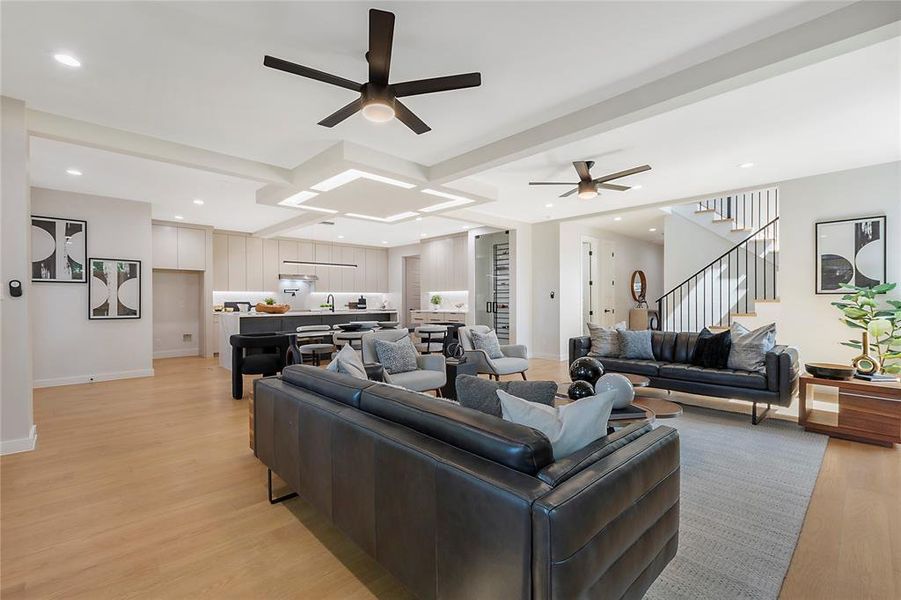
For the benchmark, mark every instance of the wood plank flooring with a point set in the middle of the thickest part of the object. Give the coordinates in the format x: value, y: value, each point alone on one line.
x: 146, y: 488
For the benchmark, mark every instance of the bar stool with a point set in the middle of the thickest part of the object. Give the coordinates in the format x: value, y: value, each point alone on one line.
x: 317, y: 334
x: 430, y: 334
x: 256, y: 354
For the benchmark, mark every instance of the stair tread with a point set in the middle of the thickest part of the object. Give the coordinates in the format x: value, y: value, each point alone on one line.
x: 769, y: 300
x: 748, y: 314
x: 704, y: 210
x: 723, y: 220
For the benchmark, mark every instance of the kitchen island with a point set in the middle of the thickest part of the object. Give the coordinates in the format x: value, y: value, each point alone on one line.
x: 231, y: 323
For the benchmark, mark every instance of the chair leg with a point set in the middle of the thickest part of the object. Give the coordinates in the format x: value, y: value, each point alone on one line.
x: 524, y: 376
x: 438, y: 393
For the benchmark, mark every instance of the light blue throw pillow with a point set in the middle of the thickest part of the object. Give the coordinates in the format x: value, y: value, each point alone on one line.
x: 636, y: 344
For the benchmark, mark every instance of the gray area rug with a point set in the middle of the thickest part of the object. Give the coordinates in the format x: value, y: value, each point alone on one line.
x: 745, y: 491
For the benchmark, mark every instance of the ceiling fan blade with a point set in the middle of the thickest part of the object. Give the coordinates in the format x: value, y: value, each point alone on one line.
x: 569, y: 193
x: 625, y: 173
x: 437, y: 84
x: 406, y: 116
x: 342, y: 113
x: 551, y: 183
x: 381, y: 38
x: 294, y: 68
x: 613, y: 186
x: 582, y: 169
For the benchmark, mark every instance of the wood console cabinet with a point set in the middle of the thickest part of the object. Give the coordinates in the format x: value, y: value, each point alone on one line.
x: 867, y: 412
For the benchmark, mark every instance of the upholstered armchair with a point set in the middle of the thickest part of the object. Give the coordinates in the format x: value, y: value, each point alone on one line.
x: 514, y: 360
x: 430, y: 374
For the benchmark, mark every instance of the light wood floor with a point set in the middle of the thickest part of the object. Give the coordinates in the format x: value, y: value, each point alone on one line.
x: 146, y: 488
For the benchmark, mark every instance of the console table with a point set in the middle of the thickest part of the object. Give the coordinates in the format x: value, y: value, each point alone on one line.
x: 867, y: 412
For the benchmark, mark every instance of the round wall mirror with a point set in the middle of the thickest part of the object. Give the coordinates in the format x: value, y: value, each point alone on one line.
x: 639, y: 286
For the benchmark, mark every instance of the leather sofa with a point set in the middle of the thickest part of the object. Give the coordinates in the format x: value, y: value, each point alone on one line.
x: 458, y: 504
x: 671, y: 370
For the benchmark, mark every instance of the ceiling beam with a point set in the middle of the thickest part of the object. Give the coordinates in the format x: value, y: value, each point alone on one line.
x: 73, y: 131
x: 302, y: 220
x: 844, y: 30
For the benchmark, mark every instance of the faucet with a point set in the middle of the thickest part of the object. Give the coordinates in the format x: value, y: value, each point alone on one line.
x: 332, y: 303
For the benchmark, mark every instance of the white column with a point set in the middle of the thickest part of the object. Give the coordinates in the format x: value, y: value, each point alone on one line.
x: 17, y: 431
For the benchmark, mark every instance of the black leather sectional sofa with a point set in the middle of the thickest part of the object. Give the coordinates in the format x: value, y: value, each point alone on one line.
x: 671, y: 370
x: 458, y: 504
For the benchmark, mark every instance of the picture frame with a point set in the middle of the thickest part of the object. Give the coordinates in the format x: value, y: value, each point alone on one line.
x: 849, y: 252
x: 59, y: 247
x: 114, y: 292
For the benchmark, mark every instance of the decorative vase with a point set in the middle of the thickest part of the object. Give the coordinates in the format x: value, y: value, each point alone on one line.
x: 865, y: 363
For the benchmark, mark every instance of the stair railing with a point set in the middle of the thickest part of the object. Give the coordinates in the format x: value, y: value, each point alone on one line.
x: 748, y: 211
x: 727, y: 286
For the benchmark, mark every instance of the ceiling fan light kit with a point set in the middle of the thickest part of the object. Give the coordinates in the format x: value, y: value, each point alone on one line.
x: 587, y: 190
x: 586, y: 187
x: 378, y: 99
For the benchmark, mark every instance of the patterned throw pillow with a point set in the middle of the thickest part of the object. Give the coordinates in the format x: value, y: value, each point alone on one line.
x: 487, y: 342
x: 396, y: 357
x: 749, y: 348
x: 605, y: 340
x: 636, y: 344
x: 347, y: 361
x: 712, y: 350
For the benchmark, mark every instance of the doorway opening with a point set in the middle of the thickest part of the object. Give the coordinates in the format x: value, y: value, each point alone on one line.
x: 177, y: 306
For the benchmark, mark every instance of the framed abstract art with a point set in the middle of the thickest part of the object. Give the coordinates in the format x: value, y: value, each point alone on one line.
x: 850, y: 252
x: 115, y: 289
x: 58, y: 250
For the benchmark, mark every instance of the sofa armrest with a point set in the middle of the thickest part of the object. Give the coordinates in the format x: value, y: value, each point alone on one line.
x: 617, y: 519
x: 578, y: 347
x: 515, y: 351
x: 375, y: 371
x: 481, y: 360
x: 782, y: 372
x: 430, y: 362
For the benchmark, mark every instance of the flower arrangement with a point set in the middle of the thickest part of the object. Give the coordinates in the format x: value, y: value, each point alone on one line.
x: 435, y: 300
x: 269, y: 301
x: 861, y: 310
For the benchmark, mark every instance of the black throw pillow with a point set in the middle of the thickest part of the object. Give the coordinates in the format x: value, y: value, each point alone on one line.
x: 712, y: 350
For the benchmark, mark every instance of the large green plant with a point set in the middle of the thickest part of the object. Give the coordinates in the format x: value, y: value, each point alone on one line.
x: 861, y: 310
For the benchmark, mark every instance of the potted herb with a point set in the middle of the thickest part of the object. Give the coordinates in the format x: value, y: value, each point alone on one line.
x: 881, y: 325
x: 436, y: 301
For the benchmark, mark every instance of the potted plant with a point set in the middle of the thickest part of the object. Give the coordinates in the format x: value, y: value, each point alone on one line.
x: 881, y: 326
x: 436, y: 301
x: 268, y: 305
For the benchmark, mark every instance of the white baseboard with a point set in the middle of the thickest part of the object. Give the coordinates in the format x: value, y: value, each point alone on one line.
x: 555, y: 357
x: 77, y: 379
x: 25, y: 444
x: 176, y: 353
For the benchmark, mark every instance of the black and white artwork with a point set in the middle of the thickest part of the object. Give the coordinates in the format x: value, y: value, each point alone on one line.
x: 850, y: 252
x: 58, y: 250
x: 115, y: 290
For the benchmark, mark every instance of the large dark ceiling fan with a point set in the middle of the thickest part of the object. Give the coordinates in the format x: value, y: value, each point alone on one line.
x: 379, y: 99
x: 588, y: 187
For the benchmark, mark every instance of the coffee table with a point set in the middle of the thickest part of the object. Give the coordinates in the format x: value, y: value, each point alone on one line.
x: 653, y: 407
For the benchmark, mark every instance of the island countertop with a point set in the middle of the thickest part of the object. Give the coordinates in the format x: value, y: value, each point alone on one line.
x: 308, y: 313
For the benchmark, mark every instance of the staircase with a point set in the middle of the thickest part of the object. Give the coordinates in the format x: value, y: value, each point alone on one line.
x: 731, y: 285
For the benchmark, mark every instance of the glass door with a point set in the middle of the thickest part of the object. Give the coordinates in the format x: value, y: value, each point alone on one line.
x: 492, y: 282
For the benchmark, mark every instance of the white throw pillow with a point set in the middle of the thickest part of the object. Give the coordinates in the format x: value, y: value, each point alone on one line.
x: 349, y: 363
x: 570, y: 427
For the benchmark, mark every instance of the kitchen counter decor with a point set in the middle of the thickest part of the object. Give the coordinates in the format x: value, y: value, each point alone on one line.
x: 273, y: 309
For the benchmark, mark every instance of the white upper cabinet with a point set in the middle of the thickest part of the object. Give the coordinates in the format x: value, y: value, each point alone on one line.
x: 237, y: 263
x: 444, y: 264
x: 220, y: 262
x: 254, y: 275
x: 323, y: 253
x: 179, y: 248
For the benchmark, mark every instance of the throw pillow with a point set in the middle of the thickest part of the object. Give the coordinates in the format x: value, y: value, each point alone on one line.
x: 488, y: 342
x: 569, y: 428
x: 604, y: 340
x: 749, y: 348
x: 712, y: 350
x: 396, y: 357
x: 480, y: 394
x: 636, y: 344
x: 347, y: 361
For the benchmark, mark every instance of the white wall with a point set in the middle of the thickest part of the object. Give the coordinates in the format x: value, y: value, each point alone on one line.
x: 521, y: 286
x: 69, y: 348
x: 395, y: 295
x: 688, y: 248
x: 807, y: 320
x: 545, y: 281
x: 176, y: 312
x: 17, y: 431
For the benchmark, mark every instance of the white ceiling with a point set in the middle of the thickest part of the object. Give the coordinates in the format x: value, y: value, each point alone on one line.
x: 192, y: 72
x: 380, y: 234
x: 634, y: 223
x: 838, y: 114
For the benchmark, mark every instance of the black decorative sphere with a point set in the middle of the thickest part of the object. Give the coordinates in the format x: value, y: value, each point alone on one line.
x: 586, y: 369
x: 580, y: 389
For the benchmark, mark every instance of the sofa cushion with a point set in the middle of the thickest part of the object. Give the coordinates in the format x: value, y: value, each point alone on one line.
x: 516, y: 446
x: 727, y: 377
x: 419, y: 381
x: 712, y: 350
x: 634, y: 366
x: 480, y: 394
x: 636, y: 344
x: 336, y: 386
x: 510, y: 364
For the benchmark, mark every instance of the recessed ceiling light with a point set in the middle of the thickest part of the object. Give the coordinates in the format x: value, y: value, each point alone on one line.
x: 617, y: 218
x: 636, y: 187
x: 464, y: 227
x: 298, y: 198
x: 384, y: 242
x: 549, y: 205
x: 652, y: 229
x: 67, y: 59
x: 340, y: 237
x: 454, y: 200
x: 421, y: 235
x: 419, y: 218
x: 74, y: 172
x: 198, y: 202
x: 746, y: 165
x: 354, y: 174
x: 179, y: 217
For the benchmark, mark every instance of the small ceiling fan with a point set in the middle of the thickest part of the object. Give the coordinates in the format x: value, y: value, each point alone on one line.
x: 379, y: 99
x: 588, y: 187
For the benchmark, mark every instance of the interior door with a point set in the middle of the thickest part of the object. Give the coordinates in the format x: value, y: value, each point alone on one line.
x: 588, y: 284
x: 607, y: 278
x: 412, y: 295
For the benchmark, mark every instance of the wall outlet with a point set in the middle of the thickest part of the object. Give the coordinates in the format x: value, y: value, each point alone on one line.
x: 186, y: 337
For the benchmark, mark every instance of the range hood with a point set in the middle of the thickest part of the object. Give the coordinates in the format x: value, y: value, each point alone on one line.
x: 297, y: 277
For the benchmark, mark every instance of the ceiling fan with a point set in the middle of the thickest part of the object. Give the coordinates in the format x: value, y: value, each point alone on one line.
x: 588, y: 187
x: 379, y: 99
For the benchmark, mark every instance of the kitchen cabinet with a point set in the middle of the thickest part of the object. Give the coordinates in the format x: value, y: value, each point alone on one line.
x: 323, y: 253
x: 220, y: 262
x: 237, y: 263
x: 444, y: 264
x: 179, y: 248
x: 287, y: 251
x: 254, y: 265
x: 271, y: 265
x: 347, y: 275
x: 424, y: 317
